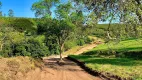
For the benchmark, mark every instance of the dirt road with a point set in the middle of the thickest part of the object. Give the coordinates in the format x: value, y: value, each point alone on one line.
x: 68, y: 71
x: 54, y: 71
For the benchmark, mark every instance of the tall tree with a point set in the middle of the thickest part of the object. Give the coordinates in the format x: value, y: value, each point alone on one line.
x: 0, y: 8
x: 61, y: 30
x: 11, y: 13
x: 63, y: 11
x: 0, y: 4
x: 114, y: 10
x: 1, y: 14
x: 42, y: 8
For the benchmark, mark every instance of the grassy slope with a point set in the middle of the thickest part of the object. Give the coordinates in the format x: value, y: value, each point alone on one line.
x: 125, y: 68
x: 123, y: 46
x: 122, y: 67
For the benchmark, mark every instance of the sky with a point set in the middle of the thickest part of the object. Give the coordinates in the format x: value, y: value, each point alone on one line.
x: 21, y: 8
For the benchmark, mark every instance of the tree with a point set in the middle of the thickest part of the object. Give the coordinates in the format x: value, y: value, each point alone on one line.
x: 0, y: 13
x: 0, y: 8
x: 57, y: 32
x: 115, y: 10
x: 23, y: 24
x: 0, y: 4
x: 11, y: 13
x: 42, y: 8
x: 61, y: 30
x: 63, y: 11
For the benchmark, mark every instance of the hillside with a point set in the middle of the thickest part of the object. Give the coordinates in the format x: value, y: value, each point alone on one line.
x: 118, y: 48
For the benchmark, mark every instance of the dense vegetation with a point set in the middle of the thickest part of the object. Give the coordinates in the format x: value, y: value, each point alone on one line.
x: 30, y: 37
x: 72, y: 25
x: 39, y: 37
x: 117, y: 31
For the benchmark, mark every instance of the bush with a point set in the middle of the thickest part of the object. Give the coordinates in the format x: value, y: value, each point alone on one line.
x: 88, y: 40
x: 80, y: 42
x: 69, y: 45
x: 7, y: 50
x: 31, y: 48
x: 36, y: 49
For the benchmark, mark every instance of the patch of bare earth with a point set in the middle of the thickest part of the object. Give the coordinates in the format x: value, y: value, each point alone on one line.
x: 84, y: 49
x: 68, y: 71
x: 81, y: 49
x: 53, y: 71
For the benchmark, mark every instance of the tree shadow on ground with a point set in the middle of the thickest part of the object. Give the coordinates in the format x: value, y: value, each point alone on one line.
x: 137, y: 49
x: 67, y: 66
x: 112, y: 61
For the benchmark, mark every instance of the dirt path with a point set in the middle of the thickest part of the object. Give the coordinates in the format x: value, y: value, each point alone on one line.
x: 54, y: 71
x: 80, y: 50
x: 68, y: 71
x: 86, y: 48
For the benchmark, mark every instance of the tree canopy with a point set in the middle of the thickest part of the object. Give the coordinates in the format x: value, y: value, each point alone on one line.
x: 11, y: 13
x: 42, y: 8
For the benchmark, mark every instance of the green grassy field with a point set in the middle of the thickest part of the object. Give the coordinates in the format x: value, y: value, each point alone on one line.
x: 122, y: 46
x: 122, y: 67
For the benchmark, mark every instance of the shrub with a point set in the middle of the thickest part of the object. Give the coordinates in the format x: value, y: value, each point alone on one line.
x: 7, y: 50
x: 36, y: 49
x: 88, y: 40
x: 31, y: 48
x: 70, y: 44
x: 80, y: 42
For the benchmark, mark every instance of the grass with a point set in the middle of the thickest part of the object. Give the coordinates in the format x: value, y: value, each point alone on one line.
x: 122, y: 46
x: 123, y: 67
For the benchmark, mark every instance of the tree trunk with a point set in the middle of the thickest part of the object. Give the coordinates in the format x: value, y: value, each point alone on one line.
x: 135, y: 30
x: 61, y: 51
x: 1, y: 48
x: 61, y: 56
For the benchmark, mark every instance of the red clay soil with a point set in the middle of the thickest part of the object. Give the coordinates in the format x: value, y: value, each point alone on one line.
x: 53, y: 71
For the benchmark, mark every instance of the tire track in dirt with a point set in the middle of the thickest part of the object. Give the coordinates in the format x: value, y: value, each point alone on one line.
x: 69, y: 71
